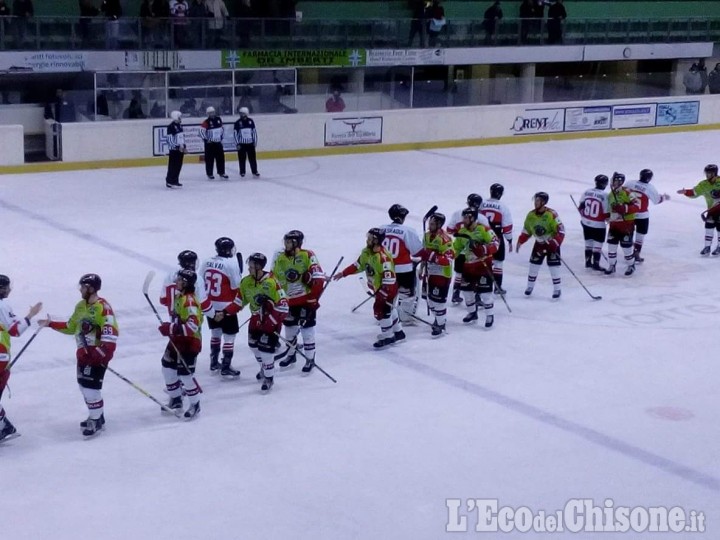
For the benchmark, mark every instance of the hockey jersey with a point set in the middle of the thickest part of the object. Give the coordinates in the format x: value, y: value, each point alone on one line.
x: 456, y: 221
x: 438, y: 253
x: 378, y: 266
x: 167, y: 294
x: 245, y: 132
x: 221, y: 277
x: 10, y: 326
x: 594, y: 208
x: 544, y: 227
x: 299, y: 275
x: 646, y: 193
x: 92, y: 325
x: 175, y: 137
x: 402, y: 242
x: 499, y: 218
x: 186, y: 313
x: 211, y: 130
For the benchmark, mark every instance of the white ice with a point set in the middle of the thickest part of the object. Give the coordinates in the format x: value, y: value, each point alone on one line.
x: 578, y: 398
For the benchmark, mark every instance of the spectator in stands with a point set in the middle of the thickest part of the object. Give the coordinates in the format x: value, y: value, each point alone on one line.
x: 179, y: 12
x: 492, y: 15
x: 22, y: 11
x: 335, y: 103
x: 245, y: 103
x: 714, y: 80
x: 556, y: 17
x: 61, y: 109
x: 157, y: 111
x: 101, y: 105
x: 189, y: 108
x: 113, y: 11
x: 526, y: 14
x: 226, y: 106
x: 218, y: 12
x: 436, y: 14
x: 87, y: 12
x: 694, y: 81
x: 418, y: 22
x: 134, y: 111
x: 197, y: 12
x: 245, y: 11
x: 161, y: 11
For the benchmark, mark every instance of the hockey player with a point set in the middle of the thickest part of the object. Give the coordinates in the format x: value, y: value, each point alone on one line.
x: 212, y: 134
x: 185, y: 339
x: 594, y: 212
x: 221, y: 275
x: 403, y: 243
x: 623, y: 206
x: 437, y: 256
x: 246, y: 140
x: 500, y: 219
x: 269, y: 307
x: 95, y: 329
x: 379, y: 269
x: 646, y: 193
x: 476, y: 244
x: 187, y: 260
x: 474, y: 200
x: 544, y: 225
x: 710, y: 189
x: 176, y: 150
x: 10, y: 326
x: 301, y: 277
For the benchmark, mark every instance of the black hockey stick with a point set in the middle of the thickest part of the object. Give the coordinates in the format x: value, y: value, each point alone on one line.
x: 27, y: 344
x: 370, y: 297
x: 287, y: 342
x: 329, y: 279
x: 239, y: 258
x: 591, y: 295
x: 496, y: 286
x: 146, y: 288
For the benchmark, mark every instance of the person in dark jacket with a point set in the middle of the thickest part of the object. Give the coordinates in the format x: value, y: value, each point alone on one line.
x: 555, y: 18
x: 714, y: 80
x: 418, y: 22
x: 61, y: 109
x: 176, y: 146
x: 22, y: 11
x: 492, y: 15
x: 526, y: 14
x: 246, y: 141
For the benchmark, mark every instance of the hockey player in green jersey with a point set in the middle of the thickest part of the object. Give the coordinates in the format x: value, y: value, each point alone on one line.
x: 301, y: 277
x: 710, y: 189
x: 268, y: 307
x: 544, y: 225
x: 96, y: 332
x: 437, y: 256
x: 623, y: 205
x: 476, y: 243
x: 378, y: 265
x: 185, y: 339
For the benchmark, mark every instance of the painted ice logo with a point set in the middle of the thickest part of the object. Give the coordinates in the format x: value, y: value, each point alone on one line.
x: 539, y: 121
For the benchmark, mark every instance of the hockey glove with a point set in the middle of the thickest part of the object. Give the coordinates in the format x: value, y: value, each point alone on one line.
x: 581, y: 206
x: 553, y: 245
x: 481, y: 250
x: 620, y: 208
x: 96, y: 356
x: 384, y: 294
x: 165, y: 329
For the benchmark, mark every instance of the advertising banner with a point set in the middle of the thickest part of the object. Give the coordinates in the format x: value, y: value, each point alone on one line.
x: 535, y: 121
x: 404, y: 57
x: 293, y: 58
x: 587, y: 118
x: 633, y: 116
x: 346, y: 131
x: 193, y: 141
x: 678, y: 113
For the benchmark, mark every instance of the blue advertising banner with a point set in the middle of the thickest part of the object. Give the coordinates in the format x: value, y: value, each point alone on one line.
x: 678, y: 114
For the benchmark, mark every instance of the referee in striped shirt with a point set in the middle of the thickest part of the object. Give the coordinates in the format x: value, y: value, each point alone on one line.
x: 246, y: 141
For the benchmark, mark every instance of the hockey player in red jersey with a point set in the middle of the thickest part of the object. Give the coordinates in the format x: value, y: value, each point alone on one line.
x: 594, y: 212
x: 646, y: 194
x: 500, y: 220
x: 403, y: 243
x: 187, y: 260
x: 221, y: 275
x: 623, y: 206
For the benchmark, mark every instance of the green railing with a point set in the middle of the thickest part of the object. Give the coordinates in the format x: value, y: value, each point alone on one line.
x: 73, y: 33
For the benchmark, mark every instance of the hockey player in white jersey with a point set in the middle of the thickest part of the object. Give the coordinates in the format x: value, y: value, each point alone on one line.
x: 594, y: 212
x: 187, y: 260
x: 500, y: 219
x: 474, y: 200
x: 221, y: 275
x: 403, y: 243
x: 10, y: 326
x: 646, y: 192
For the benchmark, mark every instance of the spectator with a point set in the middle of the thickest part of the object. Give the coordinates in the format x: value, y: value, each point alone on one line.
x: 197, y: 12
x: 22, y: 11
x: 112, y: 11
x: 436, y: 23
x: 189, y: 108
x: 526, y: 14
x: 714, y: 80
x: 87, y: 11
x: 555, y: 18
x: 694, y: 81
x: 335, y: 103
x: 245, y: 103
x: 157, y: 111
x: 226, y: 106
x: 135, y: 111
x: 245, y: 11
x: 418, y: 22
x: 147, y: 16
x: 219, y: 12
x: 492, y: 15
x: 61, y: 109
x: 101, y: 105
x: 161, y: 12
x: 179, y: 11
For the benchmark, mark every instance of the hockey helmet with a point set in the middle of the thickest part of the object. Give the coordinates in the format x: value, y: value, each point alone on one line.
x: 176, y: 116
x: 210, y: 111
x: 189, y: 277
x: 91, y: 280
x: 397, y: 213
x: 258, y: 260
x: 474, y: 200
x: 646, y: 175
x: 542, y: 196
x: 4, y: 281
x: 244, y: 111
x: 601, y: 181
x: 711, y: 169
x: 224, y: 247
x: 618, y: 179
x: 187, y: 259
x: 377, y: 234
x: 471, y: 212
x: 438, y: 218
x: 295, y: 236
x: 496, y: 191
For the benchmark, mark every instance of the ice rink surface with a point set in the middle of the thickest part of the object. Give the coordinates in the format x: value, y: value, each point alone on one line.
x: 611, y: 399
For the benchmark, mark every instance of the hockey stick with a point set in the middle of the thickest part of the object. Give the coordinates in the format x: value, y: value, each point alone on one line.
x: 496, y: 286
x: 370, y: 297
x: 579, y: 212
x: 329, y: 279
x: 146, y: 288
x: 239, y: 258
x: 578, y: 280
x: 287, y: 342
x: 27, y: 344
x: 424, y: 273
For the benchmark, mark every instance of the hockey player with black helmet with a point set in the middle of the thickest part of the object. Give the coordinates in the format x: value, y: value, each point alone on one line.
x: 221, y: 276
x: 646, y: 193
x: 476, y: 244
x: 474, y: 200
x: 544, y: 225
x: 403, y: 243
x: 594, y: 212
x: 11, y: 326
x: 377, y: 263
x: 623, y: 206
x: 501, y: 223
x: 184, y: 333
x: 262, y: 292
x: 187, y: 260
x: 95, y: 329
x: 710, y: 190
x: 437, y: 256
x: 300, y: 275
